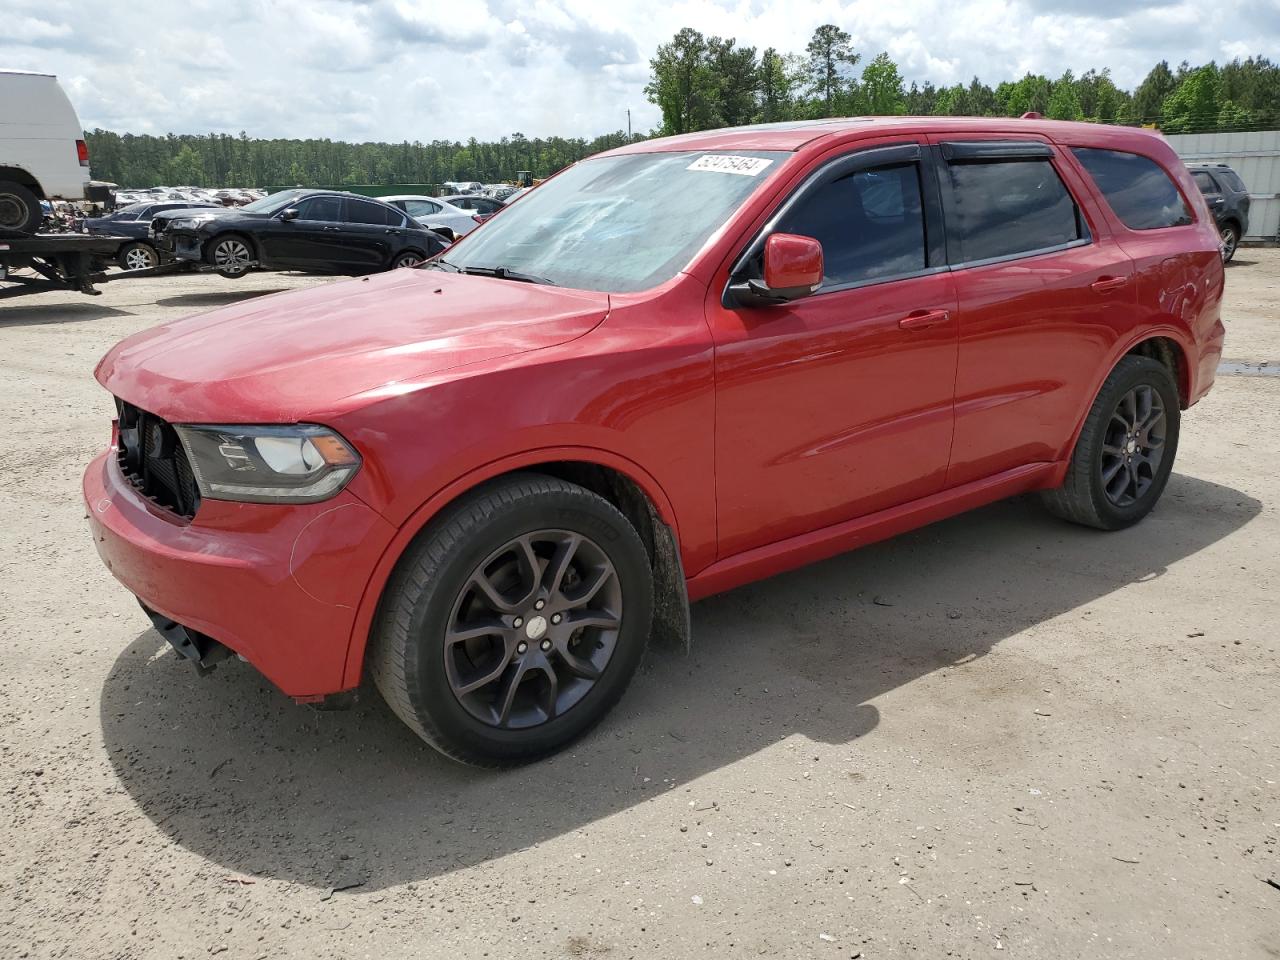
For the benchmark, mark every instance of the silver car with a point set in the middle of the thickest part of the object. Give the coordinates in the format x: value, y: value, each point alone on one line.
x: 434, y: 213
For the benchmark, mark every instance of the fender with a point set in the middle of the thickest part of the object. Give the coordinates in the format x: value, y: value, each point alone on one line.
x: 1178, y: 334
x: 359, y: 637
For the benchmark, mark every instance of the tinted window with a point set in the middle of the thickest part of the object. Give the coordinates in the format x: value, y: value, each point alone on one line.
x: 1001, y: 209
x: 870, y: 224
x: 1232, y: 180
x: 327, y: 209
x: 1204, y: 182
x: 1139, y: 191
x: 361, y: 211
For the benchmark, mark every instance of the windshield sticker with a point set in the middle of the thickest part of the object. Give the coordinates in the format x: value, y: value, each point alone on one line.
x: 719, y: 163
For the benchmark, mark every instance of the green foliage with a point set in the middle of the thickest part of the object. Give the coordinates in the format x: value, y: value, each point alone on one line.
x: 221, y: 160
x: 882, y: 87
x: 830, y: 58
x: 1064, y: 103
x: 1195, y: 105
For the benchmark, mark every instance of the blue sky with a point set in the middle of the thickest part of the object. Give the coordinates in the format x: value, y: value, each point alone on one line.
x: 421, y: 69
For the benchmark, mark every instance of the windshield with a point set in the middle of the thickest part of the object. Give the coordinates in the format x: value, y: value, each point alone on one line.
x: 616, y: 224
x: 273, y: 202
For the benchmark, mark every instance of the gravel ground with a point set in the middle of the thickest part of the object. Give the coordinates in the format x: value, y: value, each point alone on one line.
x: 997, y: 736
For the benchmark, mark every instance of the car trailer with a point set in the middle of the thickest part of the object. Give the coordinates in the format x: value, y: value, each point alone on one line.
x: 68, y: 261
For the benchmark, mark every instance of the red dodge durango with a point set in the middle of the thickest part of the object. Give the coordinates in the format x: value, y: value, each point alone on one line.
x: 671, y: 369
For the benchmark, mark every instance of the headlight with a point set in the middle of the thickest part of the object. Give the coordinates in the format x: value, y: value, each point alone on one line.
x: 295, y: 464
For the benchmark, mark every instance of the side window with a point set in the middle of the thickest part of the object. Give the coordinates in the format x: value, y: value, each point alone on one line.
x: 1232, y: 180
x: 361, y: 211
x: 1138, y: 190
x: 1204, y: 182
x: 870, y: 224
x: 421, y: 208
x: 1002, y: 208
x: 327, y: 209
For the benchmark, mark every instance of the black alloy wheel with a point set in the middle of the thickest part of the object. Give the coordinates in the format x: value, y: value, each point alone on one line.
x: 1133, y: 447
x: 533, y: 629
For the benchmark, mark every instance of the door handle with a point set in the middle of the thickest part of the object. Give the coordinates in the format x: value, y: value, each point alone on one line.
x: 923, y: 319
x: 1103, y: 284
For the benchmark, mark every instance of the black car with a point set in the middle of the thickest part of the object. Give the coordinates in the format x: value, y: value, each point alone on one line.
x: 485, y: 206
x: 1227, y: 197
x: 134, y: 222
x: 316, y: 231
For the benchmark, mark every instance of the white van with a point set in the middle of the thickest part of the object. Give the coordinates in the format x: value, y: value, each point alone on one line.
x: 43, y: 155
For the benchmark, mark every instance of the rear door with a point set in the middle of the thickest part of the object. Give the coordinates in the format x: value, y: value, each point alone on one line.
x: 1212, y: 192
x: 369, y: 233
x: 1044, y: 291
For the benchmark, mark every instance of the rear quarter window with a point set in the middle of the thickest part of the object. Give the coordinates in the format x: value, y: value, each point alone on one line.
x: 1137, y: 188
x: 1232, y: 180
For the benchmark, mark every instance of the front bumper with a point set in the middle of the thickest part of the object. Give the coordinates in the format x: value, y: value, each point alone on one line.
x: 179, y: 244
x: 277, y: 584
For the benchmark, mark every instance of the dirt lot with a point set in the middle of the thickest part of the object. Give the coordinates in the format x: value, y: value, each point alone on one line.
x: 998, y: 736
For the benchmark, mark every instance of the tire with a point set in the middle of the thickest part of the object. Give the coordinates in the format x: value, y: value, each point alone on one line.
x: 1230, y: 241
x: 230, y: 255
x: 1089, y: 495
x: 424, y: 678
x: 20, y: 213
x: 409, y: 258
x: 137, y: 256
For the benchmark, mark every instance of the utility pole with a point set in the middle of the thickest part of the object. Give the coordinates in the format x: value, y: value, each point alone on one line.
x: 628, y: 124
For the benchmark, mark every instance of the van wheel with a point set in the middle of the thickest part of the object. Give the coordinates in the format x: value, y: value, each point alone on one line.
x: 137, y: 256
x: 230, y: 255
x: 1124, y: 456
x: 20, y: 211
x: 514, y: 622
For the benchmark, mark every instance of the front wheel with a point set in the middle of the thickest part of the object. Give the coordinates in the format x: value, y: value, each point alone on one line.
x: 514, y: 622
x: 1124, y: 456
x: 230, y: 256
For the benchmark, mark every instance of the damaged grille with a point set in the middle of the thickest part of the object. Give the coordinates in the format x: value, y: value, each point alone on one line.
x: 152, y: 459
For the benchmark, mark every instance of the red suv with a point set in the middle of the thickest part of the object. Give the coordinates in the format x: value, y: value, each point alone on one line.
x: 674, y: 368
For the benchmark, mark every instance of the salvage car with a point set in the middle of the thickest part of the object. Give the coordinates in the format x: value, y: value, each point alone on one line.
x: 134, y: 222
x: 316, y: 231
x: 672, y: 369
x: 436, y: 214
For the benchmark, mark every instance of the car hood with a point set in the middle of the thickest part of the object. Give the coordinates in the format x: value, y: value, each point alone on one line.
x: 213, y: 213
x: 277, y: 359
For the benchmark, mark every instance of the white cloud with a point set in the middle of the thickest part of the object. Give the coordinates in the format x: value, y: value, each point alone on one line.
x: 453, y: 69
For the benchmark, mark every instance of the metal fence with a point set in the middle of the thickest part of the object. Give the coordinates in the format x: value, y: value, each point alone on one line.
x: 1256, y: 157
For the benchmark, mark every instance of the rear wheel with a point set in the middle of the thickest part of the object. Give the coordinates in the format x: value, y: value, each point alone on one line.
x: 20, y: 211
x: 515, y: 621
x: 138, y: 256
x: 410, y: 258
x: 1230, y: 240
x: 1124, y: 456
x: 230, y: 255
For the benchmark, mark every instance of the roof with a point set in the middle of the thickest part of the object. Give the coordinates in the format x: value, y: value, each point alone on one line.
x: 26, y: 73
x: 793, y: 135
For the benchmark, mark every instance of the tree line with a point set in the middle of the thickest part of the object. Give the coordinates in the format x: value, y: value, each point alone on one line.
x: 701, y: 82
x: 223, y: 160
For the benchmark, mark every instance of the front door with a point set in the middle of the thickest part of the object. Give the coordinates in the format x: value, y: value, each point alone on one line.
x: 839, y: 405
x: 311, y: 237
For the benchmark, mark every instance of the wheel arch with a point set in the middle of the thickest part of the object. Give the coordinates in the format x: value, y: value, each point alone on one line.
x: 1167, y: 345
x: 21, y: 176
x: 232, y: 232
x: 620, y: 481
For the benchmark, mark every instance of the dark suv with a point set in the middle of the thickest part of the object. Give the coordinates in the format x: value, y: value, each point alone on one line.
x: 1228, y: 199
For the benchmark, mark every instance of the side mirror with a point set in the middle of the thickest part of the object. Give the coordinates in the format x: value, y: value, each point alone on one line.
x: 793, y: 270
x: 290, y: 214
